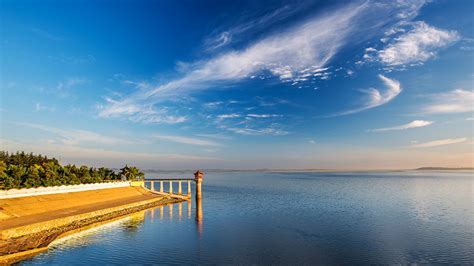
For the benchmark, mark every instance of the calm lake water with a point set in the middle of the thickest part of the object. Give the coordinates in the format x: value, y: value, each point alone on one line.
x: 293, y: 218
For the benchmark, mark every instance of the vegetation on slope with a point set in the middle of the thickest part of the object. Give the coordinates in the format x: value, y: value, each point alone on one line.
x: 23, y: 170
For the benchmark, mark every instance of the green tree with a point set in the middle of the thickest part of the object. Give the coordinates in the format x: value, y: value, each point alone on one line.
x: 23, y: 170
x: 15, y: 173
x: 131, y: 173
x: 3, y: 174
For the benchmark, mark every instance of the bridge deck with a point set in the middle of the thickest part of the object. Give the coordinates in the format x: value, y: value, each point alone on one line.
x: 169, y: 179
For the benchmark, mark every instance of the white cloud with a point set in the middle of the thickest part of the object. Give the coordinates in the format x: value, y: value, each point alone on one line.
x: 456, y: 101
x: 105, y: 157
x: 297, y: 54
x: 226, y: 116
x: 312, y: 141
x: 436, y: 143
x: 413, y: 124
x: 285, y: 54
x: 257, y: 132
x: 63, y: 88
x: 76, y: 136
x: 41, y: 107
x: 263, y: 115
x: 214, y: 136
x: 219, y: 41
x: 136, y: 112
x: 376, y: 97
x: 69, y: 83
x: 186, y: 140
x: 224, y: 37
x: 213, y: 104
x: 408, y: 9
x: 416, y: 46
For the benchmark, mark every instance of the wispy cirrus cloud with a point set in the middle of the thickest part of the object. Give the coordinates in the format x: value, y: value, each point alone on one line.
x: 105, y: 157
x: 456, y: 101
x: 41, y: 107
x: 377, y: 97
x: 137, y: 112
x: 248, y: 131
x: 436, y: 143
x: 413, y: 47
x: 187, y: 140
x: 214, y: 136
x: 263, y: 115
x: 63, y: 88
x: 285, y: 54
x: 227, y: 116
x: 413, y: 124
x: 69, y: 83
x: 296, y: 54
x: 221, y: 38
x: 77, y: 136
x: 47, y: 35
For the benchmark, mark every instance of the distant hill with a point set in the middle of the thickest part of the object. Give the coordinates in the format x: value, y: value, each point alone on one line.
x: 445, y: 168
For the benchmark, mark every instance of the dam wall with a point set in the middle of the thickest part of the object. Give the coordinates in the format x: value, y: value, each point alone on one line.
x: 26, y: 192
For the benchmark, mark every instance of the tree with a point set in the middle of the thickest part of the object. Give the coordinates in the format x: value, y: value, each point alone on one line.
x: 131, y: 173
x: 24, y: 170
x: 32, y: 177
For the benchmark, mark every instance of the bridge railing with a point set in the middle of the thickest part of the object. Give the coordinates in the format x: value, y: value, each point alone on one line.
x: 160, y: 184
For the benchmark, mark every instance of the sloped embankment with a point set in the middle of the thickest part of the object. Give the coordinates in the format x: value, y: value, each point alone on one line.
x: 29, y: 224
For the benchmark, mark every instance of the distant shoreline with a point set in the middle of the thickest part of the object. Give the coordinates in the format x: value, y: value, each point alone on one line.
x: 315, y: 170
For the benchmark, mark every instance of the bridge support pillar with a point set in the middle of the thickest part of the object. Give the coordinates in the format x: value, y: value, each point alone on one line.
x: 180, y: 189
x: 189, y: 189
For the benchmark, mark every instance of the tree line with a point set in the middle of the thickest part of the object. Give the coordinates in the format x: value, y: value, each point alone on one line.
x: 27, y: 170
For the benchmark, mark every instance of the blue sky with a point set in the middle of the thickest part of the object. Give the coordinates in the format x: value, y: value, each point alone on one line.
x: 239, y: 84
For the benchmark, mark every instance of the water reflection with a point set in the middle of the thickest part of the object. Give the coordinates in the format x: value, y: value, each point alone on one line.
x: 198, y: 212
x: 135, y: 222
x: 199, y: 215
x: 189, y: 208
x: 131, y: 223
x: 171, y: 211
x: 299, y: 218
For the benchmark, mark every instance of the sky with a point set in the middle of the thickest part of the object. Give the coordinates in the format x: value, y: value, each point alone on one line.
x: 239, y: 84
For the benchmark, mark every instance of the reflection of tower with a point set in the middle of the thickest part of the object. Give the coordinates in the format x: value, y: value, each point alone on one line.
x: 161, y: 212
x: 180, y: 210
x: 199, y: 215
x: 198, y: 178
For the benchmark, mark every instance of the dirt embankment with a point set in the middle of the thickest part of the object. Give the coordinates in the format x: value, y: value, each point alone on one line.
x: 23, y: 236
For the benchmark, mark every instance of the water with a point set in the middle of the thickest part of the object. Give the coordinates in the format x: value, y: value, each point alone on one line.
x: 294, y: 218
